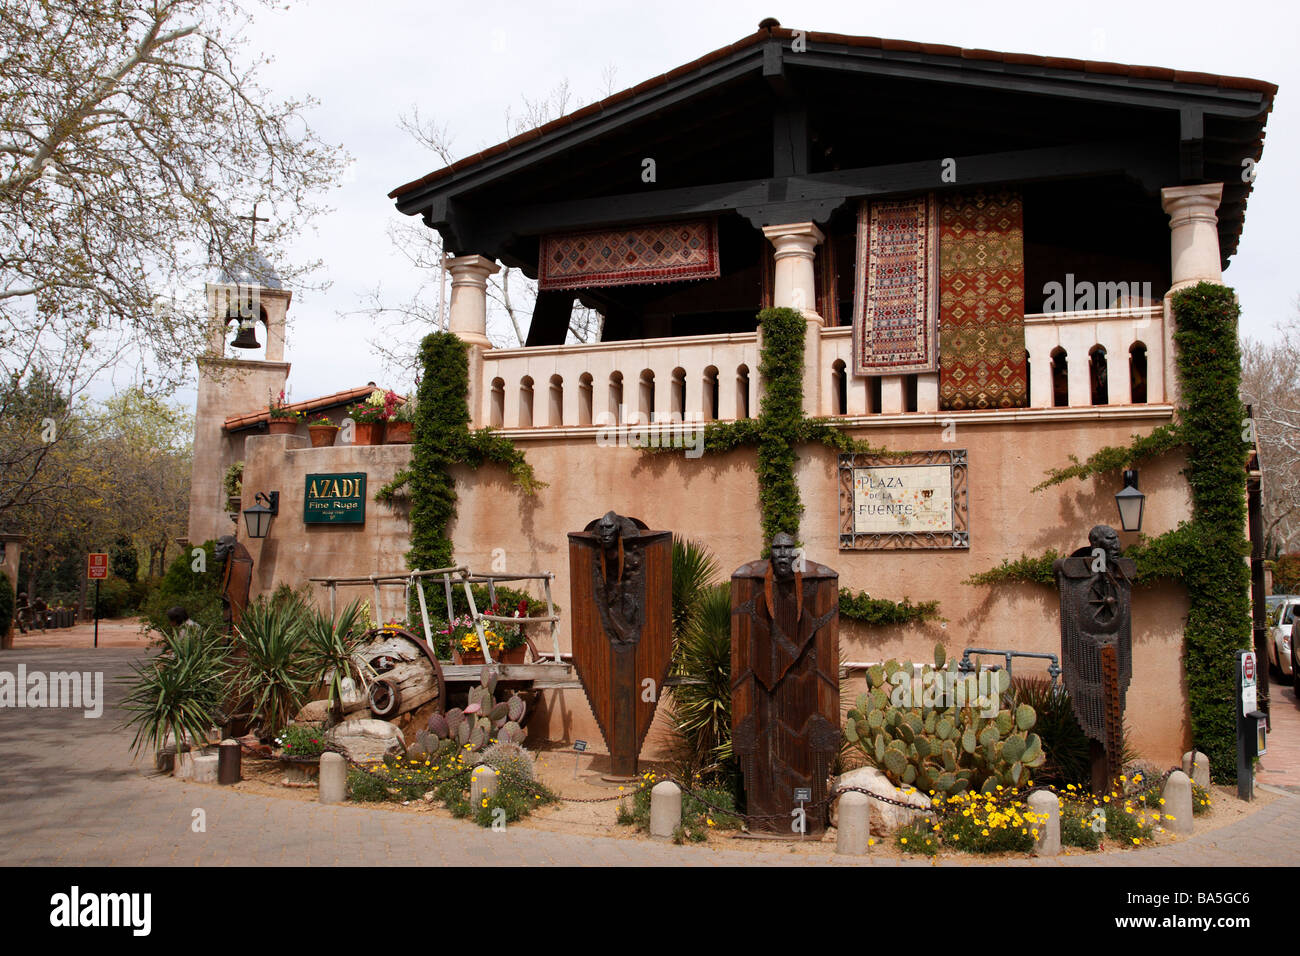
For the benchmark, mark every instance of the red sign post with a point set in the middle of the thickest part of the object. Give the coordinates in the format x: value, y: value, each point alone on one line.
x: 97, y: 570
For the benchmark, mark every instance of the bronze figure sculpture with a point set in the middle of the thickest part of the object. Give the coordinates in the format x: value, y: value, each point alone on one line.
x: 620, y: 575
x: 1096, y: 587
x: 236, y: 578
x: 785, y: 694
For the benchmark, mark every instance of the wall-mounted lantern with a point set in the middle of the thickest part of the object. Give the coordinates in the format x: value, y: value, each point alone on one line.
x: 258, y: 518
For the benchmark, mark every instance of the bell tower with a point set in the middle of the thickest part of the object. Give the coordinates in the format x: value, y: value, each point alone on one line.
x: 244, y: 298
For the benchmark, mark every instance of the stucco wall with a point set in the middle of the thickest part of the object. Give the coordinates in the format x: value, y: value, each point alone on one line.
x: 714, y: 500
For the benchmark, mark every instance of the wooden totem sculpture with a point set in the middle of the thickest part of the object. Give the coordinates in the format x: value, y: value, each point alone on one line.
x: 236, y: 579
x: 785, y: 692
x: 620, y: 577
x: 1096, y: 586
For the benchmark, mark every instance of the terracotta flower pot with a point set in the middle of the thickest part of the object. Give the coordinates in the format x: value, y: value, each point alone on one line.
x: 322, y: 436
x: 368, y: 433
x: 515, y: 655
x: 469, y: 657
x: 398, y: 433
x: 283, y: 426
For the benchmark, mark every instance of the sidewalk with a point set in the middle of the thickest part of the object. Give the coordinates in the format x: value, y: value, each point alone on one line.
x: 72, y: 796
x: 119, y: 632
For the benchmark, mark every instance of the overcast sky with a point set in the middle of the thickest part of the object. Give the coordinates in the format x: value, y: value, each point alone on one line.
x: 464, y: 64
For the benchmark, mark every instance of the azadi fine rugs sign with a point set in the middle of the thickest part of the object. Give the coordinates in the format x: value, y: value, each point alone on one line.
x: 335, y: 499
x: 903, y: 502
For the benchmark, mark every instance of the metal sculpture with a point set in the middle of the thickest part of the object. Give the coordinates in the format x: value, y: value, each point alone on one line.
x: 236, y: 578
x: 1096, y: 587
x: 785, y: 695
x: 620, y: 577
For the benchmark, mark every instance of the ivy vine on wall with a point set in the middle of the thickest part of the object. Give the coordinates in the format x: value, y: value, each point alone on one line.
x: 443, y: 438
x: 1206, y: 554
x: 780, y: 426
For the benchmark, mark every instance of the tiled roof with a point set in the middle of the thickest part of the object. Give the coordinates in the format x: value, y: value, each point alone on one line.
x: 249, y: 419
x: 901, y: 46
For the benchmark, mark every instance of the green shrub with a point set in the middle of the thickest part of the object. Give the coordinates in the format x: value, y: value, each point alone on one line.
x: 919, y: 836
x: 114, y: 597
x: 366, y: 788
x: 198, y: 592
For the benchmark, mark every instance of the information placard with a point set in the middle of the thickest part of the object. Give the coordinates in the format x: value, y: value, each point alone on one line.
x: 897, y: 502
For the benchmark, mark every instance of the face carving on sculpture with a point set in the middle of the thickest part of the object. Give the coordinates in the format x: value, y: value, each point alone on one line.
x: 784, y: 553
x: 1107, y: 538
x: 225, y: 545
x: 608, y: 530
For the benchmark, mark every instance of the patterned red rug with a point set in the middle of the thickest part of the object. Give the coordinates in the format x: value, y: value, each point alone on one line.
x: 895, y: 293
x: 636, y: 255
x: 982, y: 301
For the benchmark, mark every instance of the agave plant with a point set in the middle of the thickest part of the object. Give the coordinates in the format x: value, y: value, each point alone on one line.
x: 179, y: 691
x: 329, y: 645
x: 271, y: 667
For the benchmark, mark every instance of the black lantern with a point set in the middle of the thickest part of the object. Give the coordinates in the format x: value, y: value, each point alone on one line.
x: 258, y: 518
x: 1130, y: 502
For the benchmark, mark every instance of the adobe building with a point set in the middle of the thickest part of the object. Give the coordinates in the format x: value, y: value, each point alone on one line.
x: 983, y: 246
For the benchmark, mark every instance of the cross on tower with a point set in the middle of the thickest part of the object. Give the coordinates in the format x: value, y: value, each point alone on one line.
x: 253, y: 220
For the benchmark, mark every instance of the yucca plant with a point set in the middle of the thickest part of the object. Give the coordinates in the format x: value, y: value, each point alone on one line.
x: 330, y: 644
x: 1068, y: 749
x: 701, y: 712
x: 179, y: 691
x: 271, y: 668
x: 694, y: 570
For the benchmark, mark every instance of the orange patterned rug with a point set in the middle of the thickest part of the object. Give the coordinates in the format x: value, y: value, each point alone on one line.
x: 636, y: 255
x: 982, y: 301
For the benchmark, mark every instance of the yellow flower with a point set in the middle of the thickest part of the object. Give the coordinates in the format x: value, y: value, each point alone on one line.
x: 902, y: 840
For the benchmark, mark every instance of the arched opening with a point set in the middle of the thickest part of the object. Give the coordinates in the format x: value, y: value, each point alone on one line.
x: 677, y: 406
x: 1028, y: 382
x: 584, y: 398
x: 909, y: 393
x: 497, y: 415
x: 710, y: 391
x: 1137, y: 372
x: 742, y: 392
x: 876, y: 390
x: 839, y: 388
x: 1060, y: 378
x: 646, y: 395
x: 556, y: 416
x: 616, y: 397
x: 526, y: 402
x: 1097, y: 375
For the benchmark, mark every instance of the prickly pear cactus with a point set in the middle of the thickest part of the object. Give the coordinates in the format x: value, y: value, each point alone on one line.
x: 941, y: 730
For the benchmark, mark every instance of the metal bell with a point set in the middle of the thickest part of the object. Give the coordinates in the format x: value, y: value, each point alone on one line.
x: 247, y: 337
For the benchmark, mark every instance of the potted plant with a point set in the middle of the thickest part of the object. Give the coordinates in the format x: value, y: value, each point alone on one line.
x: 514, y: 645
x: 233, y: 483
x: 402, y: 423
x: 322, y: 431
x: 469, y: 651
x: 369, y: 416
x: 283, y: 420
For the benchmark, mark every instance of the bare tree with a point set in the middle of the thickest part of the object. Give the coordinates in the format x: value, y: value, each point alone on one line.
x: 511, y: 294
x: 1270, y: 383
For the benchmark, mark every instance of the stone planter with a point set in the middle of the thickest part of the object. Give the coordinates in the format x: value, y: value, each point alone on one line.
x: 283, y: 426
x: 322, y: 436
x: 398, y: 433
x: 368, y: 433
x: 300, y: 773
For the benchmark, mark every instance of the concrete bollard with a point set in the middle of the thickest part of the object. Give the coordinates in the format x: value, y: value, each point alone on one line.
x: 333, y: 778
x: 1046, y: 806
x: 1178, y: 804
x: 482, y: 784
x: 205, y: 768
x: 853, y: 830
x: 183, y: 767
x: 1197, y: 766
x: 665, y: 810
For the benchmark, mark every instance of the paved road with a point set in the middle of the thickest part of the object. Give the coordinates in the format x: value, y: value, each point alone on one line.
x: 71, y: 796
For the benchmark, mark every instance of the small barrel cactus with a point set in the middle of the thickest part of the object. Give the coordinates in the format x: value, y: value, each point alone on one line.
x: 510, y: 758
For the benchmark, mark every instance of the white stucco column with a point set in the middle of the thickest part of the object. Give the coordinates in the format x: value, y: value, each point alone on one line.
x: 794, y: 287
x: 468, y: 317
x: 1194, y: 233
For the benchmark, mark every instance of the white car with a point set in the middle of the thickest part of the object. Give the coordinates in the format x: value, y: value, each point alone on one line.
x: 1280, y: 620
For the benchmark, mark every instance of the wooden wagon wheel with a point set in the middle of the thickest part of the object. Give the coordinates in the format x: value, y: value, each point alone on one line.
x: 376, y: 632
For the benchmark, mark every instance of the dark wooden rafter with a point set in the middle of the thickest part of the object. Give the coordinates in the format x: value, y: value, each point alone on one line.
x: 815, y: 196
x: 1219, y: 123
